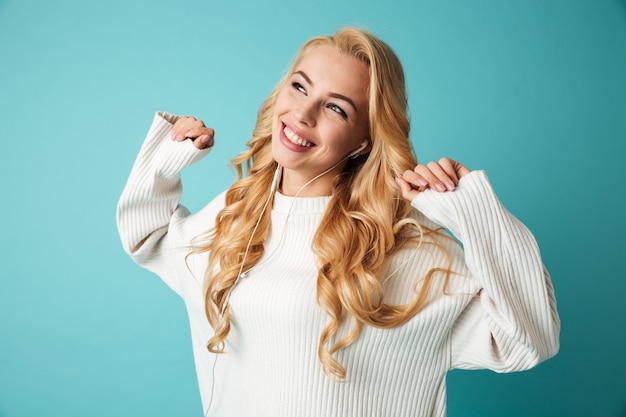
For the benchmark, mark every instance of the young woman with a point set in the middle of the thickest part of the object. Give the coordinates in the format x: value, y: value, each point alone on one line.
x: 322, y: 283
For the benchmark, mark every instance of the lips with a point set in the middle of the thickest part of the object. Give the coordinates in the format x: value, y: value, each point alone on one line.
x: 294, y: 138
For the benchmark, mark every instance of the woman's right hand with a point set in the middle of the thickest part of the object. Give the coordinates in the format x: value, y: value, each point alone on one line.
x: 188, y: 127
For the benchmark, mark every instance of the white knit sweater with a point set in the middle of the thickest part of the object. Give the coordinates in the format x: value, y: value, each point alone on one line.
x: 499, y: 311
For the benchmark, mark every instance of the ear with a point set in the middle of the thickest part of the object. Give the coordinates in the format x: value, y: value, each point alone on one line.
x: 365, y: 147
x: 359, y: 151
x: 368, y: 148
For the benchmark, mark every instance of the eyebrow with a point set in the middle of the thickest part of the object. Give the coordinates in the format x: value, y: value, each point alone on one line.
x: 335, y: 95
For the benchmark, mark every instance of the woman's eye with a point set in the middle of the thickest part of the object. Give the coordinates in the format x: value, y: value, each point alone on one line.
x: 338, y: 110
x: 298, y: 87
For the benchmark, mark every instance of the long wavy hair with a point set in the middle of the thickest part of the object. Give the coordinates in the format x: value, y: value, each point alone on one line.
x: 367, y: 219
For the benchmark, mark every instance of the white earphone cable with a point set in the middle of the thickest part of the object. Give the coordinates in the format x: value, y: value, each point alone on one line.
x: 241, y: 273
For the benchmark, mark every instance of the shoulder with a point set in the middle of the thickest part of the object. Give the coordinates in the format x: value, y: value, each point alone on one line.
x: 202, y: 221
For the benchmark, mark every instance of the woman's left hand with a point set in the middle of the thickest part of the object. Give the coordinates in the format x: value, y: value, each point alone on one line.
x: 441, y: 176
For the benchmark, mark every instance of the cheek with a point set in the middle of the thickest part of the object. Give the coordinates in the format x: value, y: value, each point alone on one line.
x: 276, y: 127
x: 352, y: 137
x: 282, y: 102
x: 340, y: 140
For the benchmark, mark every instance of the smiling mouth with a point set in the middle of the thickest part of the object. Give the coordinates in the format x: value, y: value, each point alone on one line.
x: 295, y: 139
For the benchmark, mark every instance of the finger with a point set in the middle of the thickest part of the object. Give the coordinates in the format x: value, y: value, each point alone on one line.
x: 461, y: 169
x: 454, y: 169
x: 183, y: 125
x: 415, y: 180
x: 203, y: 141
x: 426, y: 171
x: 197, y: 131
x: 190, y: 129
x: 449, y: 167
x: 408, y: 192
x: 180, y: 125
x: 443, y: 181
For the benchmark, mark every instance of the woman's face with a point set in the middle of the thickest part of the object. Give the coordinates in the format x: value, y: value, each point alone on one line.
x: 321, y: 116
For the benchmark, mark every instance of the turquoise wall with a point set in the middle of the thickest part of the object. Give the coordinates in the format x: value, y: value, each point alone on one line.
x: 532, y: 91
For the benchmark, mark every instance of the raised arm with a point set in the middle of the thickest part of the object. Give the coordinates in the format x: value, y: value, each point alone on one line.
x: 149, y: 205
x: 512, y: 324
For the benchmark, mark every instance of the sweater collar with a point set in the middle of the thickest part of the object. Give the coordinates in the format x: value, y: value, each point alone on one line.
x: 300, y: 205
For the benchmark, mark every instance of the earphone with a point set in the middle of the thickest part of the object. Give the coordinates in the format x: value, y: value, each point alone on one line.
x: 274, y: 181
x: 242, y: 274
x: 354, y: 154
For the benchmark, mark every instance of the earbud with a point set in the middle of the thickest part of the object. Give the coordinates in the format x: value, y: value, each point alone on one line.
x: 354, y: 154
x: 275, y: 180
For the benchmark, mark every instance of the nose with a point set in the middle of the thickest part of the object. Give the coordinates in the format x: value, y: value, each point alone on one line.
x: 306, y: 112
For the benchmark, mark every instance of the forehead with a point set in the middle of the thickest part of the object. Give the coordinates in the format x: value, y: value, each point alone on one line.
x: 327, y: 66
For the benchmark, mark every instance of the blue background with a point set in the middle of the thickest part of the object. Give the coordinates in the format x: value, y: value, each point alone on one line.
x: 532, y: 91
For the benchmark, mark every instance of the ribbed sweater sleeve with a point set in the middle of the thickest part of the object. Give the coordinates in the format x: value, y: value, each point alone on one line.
x: 512, y: 324
x: 149, y: 205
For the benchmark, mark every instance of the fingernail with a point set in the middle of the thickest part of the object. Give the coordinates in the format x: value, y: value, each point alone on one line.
x: 439, y: 186
x: 450, y: 185
x: 422, y: 182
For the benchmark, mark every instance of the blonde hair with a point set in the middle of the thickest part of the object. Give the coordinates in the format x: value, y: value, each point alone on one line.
x: 366, y: 221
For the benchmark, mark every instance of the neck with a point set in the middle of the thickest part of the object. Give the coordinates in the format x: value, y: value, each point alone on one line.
x: 292, y: 184
x: 300, y: 184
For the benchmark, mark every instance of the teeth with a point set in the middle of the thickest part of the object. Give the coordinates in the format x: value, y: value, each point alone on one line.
x: 293, y: 138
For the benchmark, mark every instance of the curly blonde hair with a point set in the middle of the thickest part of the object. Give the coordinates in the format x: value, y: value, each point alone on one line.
x: 366, y: 221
